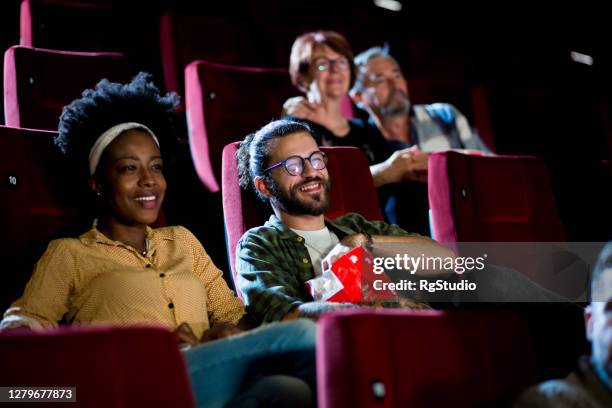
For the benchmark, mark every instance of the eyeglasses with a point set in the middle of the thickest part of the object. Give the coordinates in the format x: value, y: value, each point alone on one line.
x: 295, y: 164
x: 324, y: 64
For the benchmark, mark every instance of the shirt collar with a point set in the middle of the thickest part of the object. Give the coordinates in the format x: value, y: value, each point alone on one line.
x: 94, y: 236
x: 286, y: 233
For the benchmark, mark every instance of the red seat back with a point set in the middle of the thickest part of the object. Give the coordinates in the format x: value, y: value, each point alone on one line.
x: 75, y: 26
x: 491, y: 198
x: 37, y: 203
x: 224, y: 103
x: 110, y: 367
x: 352, y: 191
x: 184, y: 39
x: 397, y: 358
x: 38, y: 83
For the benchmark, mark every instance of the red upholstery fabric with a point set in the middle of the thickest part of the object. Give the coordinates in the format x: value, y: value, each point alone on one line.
x: 225, y: 103
x: 397, y: 358
x: 39, y: 201
x: 482, y: 116
x: 36, y: 204
x: 38, y: 83
x: 75, y: 26
x: 184, y: 39
x: 352, y: 191
x: 487, y: 199
x: 110, y: 367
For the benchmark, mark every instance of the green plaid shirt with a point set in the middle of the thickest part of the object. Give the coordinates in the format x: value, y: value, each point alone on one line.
x: 273, y: 263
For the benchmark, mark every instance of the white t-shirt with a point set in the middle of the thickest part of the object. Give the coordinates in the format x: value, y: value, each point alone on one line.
x: 318, y: 243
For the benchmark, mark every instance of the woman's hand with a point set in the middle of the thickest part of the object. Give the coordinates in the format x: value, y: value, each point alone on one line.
x: 403, y: 165
x: 301, y: 108
x: 219, y: 331
x: 417, y: 169
x: 185, y: 335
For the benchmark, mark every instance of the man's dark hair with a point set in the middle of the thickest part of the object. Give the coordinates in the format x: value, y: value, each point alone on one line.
x: 109, y: 104
x: 254, y: 152
x: 604, y: 263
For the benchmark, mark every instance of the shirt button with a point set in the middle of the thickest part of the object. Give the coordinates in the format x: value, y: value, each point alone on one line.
x: 170, y: 305
x: 162, y: 275
x: 300, y: 239
x: 305, y: 260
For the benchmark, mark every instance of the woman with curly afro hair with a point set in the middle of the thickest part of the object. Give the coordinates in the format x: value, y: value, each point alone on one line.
x: 123, y: 272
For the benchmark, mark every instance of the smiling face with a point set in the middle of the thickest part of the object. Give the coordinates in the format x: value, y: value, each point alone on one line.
x: 307, y: 194
x: 330, y: 73
x: 385, y: 89
x: 131, y: 180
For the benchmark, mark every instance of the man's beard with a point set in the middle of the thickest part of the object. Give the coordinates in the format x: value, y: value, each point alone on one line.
x: 292, y: 204
x: 397, y: 104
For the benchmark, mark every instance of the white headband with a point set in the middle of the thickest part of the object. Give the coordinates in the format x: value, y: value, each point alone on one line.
x: 107, y: 137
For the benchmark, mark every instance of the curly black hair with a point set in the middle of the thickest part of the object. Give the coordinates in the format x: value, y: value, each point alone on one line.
x: 254, y: 152
x: 109, y: 104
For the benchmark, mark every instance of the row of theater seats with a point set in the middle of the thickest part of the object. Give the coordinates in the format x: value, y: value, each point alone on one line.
x: 38, y: 202
x: 472, y: 198
x: 364, y: 359
x: 223, y: 102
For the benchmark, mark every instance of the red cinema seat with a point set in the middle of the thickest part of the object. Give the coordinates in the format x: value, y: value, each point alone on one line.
x: 352, y: 191
x: 491, y: 198
x: 75, y: 26
x: 184, y: 39
x: 38, y: 83
x: 398, y: 358
x: 110, y: 367
x: 482, y: 115
x: 37, y: 204
x: 224, y: 103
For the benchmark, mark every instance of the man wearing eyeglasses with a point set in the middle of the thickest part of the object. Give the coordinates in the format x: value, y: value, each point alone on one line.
x: 285, y: 167
x: 382, y: 90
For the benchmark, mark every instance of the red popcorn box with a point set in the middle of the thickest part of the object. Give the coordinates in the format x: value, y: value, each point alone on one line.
x: 350, y: 279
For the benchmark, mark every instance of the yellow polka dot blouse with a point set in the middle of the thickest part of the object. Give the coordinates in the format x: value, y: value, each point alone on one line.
x: 94, y: 280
